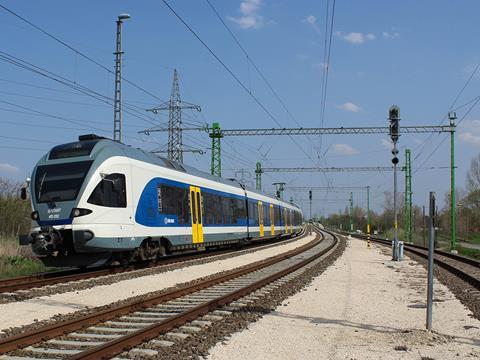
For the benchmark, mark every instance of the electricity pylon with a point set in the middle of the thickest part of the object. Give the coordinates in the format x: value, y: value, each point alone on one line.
x: 174, y: 106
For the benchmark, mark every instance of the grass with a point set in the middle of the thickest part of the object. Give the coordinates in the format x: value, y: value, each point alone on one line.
x: 472, y: 238
x: 13, y: 266
x: 471, y: 253
x: 16, y: 260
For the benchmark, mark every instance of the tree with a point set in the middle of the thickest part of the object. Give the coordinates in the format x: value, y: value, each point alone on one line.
x: 14, y: 212
x: 473, y: 175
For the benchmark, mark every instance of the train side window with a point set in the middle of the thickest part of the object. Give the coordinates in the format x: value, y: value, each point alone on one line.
x: 240, y: 211
x: 173, y: 200
x: 208, y: 210
x: 110, y: 192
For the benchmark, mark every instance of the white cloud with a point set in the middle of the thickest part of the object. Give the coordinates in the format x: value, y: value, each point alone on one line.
x: 312, y: 21
x: 386, y: 144
x: 250, y: 18
x: 355, y: 37
x: 469, y: 138
x: 349, y: 106
x: 344, y: 149
x: 5, y: 167
x: 470, y: 133
x: 320, y: 65
x: 390, y: 35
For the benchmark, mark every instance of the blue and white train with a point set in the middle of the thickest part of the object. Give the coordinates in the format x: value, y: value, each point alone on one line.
x: 96, y: 201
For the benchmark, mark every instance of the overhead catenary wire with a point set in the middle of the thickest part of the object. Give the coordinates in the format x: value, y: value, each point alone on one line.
x: 457, y: 97
x: 447, y: 136
x: 131, y: 110
x: 34, y: 112
x: 231, y: 73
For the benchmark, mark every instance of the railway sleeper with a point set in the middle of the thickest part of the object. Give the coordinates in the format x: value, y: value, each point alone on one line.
x: 130, y: 323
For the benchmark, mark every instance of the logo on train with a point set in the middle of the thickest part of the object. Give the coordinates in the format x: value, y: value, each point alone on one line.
x: 168, y: 221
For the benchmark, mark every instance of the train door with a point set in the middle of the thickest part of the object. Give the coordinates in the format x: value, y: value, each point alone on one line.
x: 285, y: 216
x: 290, y: 222
x: 196, y: 214
x: 272, y: 220
x: 260, y: 218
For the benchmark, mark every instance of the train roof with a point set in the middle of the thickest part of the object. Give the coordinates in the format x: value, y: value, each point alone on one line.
x: 95, y: 146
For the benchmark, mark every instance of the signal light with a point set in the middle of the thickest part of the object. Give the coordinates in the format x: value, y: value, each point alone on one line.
x: 395, y: 160
x: 310, y: 194
x: 394, y: 117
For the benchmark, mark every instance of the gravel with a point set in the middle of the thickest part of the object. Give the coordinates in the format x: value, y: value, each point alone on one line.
x: 198, y: 346
x: 466, y: 293
x: 184, y: 276
x: 114, y: 278
x: 363, y: 307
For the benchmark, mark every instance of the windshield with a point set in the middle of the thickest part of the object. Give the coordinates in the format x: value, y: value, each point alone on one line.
x: 60, y: 182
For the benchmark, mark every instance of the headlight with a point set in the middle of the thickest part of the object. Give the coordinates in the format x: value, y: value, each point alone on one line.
x: 76, y: 212
x: 34, y: 215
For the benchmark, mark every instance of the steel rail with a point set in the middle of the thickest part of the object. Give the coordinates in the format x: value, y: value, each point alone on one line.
x: 126, y: 342
x: 48, y: 332
x: 65, y: 276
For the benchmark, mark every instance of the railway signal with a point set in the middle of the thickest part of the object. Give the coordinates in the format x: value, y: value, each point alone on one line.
x: 394, y: 117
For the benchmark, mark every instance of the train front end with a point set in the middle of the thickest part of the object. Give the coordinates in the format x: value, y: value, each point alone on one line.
x: 57, y: 235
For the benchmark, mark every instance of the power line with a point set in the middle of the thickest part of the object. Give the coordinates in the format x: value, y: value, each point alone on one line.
x: 26, y: 139
x: 232, y: 74
x: 327, y: 65
x: 78, y: 52
x: 424, y: 143
x: 250, y: 60
x: 257, y: 69
x: 446, y: 137
x: 73, y: 85
x: 50, y: 115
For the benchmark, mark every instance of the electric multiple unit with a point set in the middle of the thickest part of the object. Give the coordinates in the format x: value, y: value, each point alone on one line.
x: 96, y: 201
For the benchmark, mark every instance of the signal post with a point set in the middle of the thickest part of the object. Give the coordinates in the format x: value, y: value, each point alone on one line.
x: 394, y: 117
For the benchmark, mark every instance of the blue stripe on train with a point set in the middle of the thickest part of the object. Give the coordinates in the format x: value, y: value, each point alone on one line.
x: 147, y: 213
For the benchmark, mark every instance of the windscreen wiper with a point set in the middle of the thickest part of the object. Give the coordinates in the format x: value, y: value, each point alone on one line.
x: 41, y: 185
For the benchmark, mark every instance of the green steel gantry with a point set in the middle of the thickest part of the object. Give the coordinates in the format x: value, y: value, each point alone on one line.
x: 216, y: 134
x: 452, y: 116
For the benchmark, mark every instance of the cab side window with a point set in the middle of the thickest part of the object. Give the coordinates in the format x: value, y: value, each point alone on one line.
x: 110, y: 192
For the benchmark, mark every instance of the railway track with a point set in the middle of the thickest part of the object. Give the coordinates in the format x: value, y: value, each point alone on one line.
x: 8, y: 287
x: 116, y: 330
x: 465, y: 268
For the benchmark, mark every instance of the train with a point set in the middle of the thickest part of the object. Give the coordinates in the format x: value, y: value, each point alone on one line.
x: 96, y: 202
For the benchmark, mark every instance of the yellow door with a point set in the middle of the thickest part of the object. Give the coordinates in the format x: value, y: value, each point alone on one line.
x: 196, y: 214
x: 260, y: 218
x: 272, y: 220
x: 285, y: 216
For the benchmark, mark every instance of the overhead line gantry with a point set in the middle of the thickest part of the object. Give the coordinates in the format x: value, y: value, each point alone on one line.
x: 216, y: 133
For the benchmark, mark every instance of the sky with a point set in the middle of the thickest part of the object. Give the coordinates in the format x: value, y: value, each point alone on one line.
x: 418, y: 55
